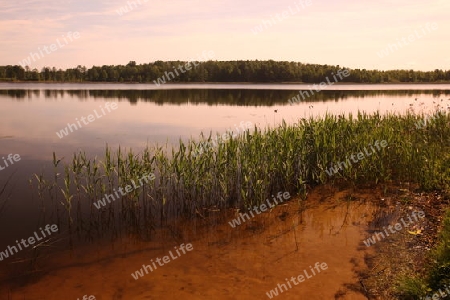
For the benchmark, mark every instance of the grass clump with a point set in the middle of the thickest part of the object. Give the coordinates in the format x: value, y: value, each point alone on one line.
x: 245, y: 170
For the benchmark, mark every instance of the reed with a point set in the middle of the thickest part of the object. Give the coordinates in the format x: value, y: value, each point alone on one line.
x: 5, y: 193
x: 245, y: 170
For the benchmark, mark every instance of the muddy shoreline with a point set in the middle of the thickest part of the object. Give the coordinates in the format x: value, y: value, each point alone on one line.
x: 251, y: 260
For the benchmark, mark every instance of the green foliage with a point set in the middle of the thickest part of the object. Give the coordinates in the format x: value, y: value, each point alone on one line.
x: 411, y: 288
x: 438, y: 271
x: 245, y: 170
x: 220, y: 71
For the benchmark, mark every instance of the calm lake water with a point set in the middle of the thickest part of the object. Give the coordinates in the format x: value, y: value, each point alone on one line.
x: 32, y: 114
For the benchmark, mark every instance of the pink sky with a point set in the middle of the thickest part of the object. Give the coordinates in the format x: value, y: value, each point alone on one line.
x: 347, y: 33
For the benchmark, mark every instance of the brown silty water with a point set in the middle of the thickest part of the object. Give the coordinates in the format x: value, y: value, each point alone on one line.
x: 245, y: 262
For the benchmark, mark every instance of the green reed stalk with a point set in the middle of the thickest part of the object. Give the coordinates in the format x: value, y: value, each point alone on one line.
x: 245, y: 170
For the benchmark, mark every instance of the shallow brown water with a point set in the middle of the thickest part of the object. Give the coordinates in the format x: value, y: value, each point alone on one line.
x: 226, y: 263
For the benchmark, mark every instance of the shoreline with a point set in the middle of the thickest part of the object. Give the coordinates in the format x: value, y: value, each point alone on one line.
x: 225, y: 83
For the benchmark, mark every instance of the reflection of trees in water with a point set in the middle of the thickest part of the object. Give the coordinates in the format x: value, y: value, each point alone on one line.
x: 241, y: 97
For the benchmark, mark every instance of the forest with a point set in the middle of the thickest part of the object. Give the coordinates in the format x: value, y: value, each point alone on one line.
x: 250, y: 71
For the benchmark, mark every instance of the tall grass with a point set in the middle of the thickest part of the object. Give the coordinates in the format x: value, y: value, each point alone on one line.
x: 5, y: 194
x: 440, y: 273
x: 245, y: 170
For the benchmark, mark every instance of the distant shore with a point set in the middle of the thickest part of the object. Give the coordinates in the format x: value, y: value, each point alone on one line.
x: 243, y: 83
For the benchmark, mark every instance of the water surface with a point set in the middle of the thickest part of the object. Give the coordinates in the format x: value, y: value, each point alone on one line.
x: 32, y: 114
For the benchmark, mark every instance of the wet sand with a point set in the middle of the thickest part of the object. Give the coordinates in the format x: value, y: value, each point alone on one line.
x: 245, y: 262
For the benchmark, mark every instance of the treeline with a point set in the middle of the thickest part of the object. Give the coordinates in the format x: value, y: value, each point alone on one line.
x: 216, y: 71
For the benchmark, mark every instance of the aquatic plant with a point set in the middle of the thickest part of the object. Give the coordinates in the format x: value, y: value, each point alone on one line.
x: 247, y: 169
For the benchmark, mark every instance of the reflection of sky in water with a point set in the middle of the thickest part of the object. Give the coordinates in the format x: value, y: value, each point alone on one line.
x: 28, y: 127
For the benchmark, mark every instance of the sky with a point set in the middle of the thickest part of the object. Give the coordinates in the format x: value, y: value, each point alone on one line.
x: 382, y: 34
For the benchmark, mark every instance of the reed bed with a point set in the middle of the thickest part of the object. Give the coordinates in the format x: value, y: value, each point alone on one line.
x: 245, y: 170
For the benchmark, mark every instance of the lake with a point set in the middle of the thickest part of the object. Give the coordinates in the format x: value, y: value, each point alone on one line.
x: 33, y: 114
x: 39, y: 119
